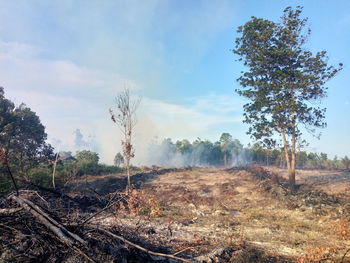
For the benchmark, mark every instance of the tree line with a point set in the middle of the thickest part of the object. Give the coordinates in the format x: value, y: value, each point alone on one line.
x: 228, y: 152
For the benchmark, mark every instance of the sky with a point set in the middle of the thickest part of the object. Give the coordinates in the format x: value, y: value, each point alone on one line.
x: 68, y: 59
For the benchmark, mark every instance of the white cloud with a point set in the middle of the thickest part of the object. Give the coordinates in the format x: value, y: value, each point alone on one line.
x: 67, y: 96
x: 176, y: 120
x: 216, y: 103
x: 22, y: 69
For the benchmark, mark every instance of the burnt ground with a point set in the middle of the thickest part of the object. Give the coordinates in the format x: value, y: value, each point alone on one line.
x: 223, y: 215
x: 334, y: 182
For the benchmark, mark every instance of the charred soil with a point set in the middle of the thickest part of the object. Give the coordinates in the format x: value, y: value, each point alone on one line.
x: 181, y: 215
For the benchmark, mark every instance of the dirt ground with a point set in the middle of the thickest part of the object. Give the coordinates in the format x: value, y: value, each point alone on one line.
x: 199, y: 210
x: 330, y: 181
x: 237, y: 215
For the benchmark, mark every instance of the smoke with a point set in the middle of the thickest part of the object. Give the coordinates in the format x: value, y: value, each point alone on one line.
x: 198, y: 154
x: 80, y: 143
x: 165, y: 155
x: 242, y: 158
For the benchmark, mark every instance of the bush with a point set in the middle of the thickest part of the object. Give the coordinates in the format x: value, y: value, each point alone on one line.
x: 41, y: 175
x: 5, y: 184
x: 84, y: 168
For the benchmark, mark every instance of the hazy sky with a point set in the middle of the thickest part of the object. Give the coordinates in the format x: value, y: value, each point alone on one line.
x: 68, y: 59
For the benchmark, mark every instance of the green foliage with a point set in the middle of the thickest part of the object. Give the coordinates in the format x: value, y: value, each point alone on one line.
x: 41, y: 175
x: 229, y: 146
x: 284, y: 80
x: 346, y: 162
x: 110, y: 169
x: 23, y: 140
x: 207, y: 153
x: 87, y: 162
x: 5, y: 184
x: 183, y: 146
x: 86, y: 156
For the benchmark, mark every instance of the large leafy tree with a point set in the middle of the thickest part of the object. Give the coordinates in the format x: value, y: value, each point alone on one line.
x: 22, y: 139
x: 284, y: 81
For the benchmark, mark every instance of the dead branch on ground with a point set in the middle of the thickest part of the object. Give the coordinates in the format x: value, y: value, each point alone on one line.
x: 144, y: 249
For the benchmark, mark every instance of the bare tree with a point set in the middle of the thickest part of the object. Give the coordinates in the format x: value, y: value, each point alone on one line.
x: 125, y: 117
x: 54, y: 171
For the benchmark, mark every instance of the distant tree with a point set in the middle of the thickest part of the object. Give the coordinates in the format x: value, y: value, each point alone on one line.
x: 237, y: 146
x: 87, y: 162
x: 201, y: 153
x: 125, y: 117
x: 22, y: 139
x: 183, y: 146
x: 168, y: 149
x: 284, y: 81
x: 301, y: 159
x: 346, y: 162
x: 335, y: 162
x: 258, y: 153
x: 118, y: 159
x: 226, y: 146
x: 87, y: 157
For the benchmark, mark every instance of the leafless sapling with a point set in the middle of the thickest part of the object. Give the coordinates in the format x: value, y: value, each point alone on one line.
x: 125, y: 117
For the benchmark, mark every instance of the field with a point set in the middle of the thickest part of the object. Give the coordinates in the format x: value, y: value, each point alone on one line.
x: 203, y: 209
x: 228, y: 215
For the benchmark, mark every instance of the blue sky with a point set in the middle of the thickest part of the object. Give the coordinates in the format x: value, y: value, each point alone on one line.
x: 67, y: 60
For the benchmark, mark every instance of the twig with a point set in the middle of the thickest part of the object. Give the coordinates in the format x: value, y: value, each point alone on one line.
x: 182, y: 250
x: 93, y: 190
x: 346, y: 252
x: 55, y: 192
x: 83, y: 254
x: 11, y: 228
x: 144, y: 249
x: 42, y: 198
x: 95, y: 214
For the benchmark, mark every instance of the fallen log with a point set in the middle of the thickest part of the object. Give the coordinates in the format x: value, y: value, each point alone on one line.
x: 75, y: 242
x: 59, y: 232
x: 64, y: 235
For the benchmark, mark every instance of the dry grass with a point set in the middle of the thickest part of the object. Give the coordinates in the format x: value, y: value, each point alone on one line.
x: 204, y: 208
x: 329, y: 181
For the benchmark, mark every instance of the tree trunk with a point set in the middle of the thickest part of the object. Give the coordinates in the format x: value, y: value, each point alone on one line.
x: 9, y: 172
x: 267, y: 159
x: 286, y: 149
x: 225, y: 159
x: 128, y: 187
x: 292, y: 168
x: 291, y: 172
x: 290, y: 163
